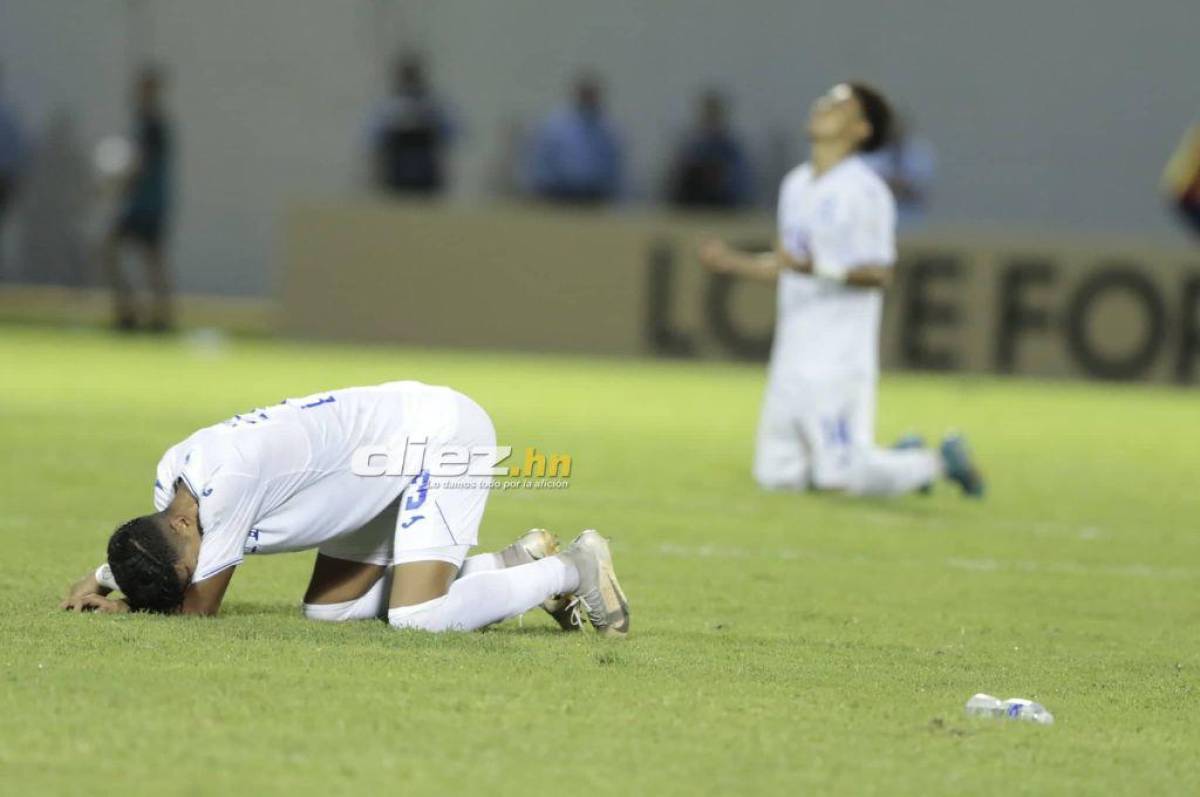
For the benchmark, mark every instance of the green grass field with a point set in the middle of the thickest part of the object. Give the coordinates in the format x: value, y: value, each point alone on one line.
x: 780, y: 643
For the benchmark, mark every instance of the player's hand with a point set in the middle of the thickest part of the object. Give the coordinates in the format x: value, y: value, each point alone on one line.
x: 716, y: 256
x: 83, y: 588
x: 802, y: 264
x: 103, y: 605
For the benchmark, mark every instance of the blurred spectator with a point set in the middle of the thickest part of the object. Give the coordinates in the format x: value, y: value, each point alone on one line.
x: 907, y: 163
x: 145, y: 206
x: 1182, y: 178
x: 711, y: 170
x: 409, y: 132
x: 575, y: 155
x: 12, y: 158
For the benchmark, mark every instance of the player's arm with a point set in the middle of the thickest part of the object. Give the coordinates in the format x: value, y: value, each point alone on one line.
x: 869, y: 276
x: 233, y: 503
x: 863, y: 276
x: 855, y: 245
x: 204, y: 597
x: 720, y: 258
x: 83, y: 589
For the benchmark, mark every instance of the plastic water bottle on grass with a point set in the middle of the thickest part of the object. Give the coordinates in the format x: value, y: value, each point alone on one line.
x: 1014, y: 708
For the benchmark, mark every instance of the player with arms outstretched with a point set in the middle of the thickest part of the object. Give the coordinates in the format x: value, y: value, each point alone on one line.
x: 833, y: 257
x: 285, y: 478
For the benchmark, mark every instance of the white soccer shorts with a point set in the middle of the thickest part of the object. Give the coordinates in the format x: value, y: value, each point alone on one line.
x: 435, y: 517
x: 809, y: 432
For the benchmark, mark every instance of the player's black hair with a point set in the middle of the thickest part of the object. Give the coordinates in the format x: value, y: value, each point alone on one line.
x: 143, y: 561
x: 878, y: 113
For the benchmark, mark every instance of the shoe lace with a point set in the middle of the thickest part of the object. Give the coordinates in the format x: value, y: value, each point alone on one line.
x: 574, y: 616
x: 573, y: 613
x: 593, y: 606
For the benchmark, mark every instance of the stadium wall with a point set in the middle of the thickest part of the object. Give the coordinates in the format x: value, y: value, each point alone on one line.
x: 520, y: 277
x: 1045, y: 116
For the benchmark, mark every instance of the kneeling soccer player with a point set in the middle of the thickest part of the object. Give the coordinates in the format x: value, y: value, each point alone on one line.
x: 834, y: 255
x: 283, y: 479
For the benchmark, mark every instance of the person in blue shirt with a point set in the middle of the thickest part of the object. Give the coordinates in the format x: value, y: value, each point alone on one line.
x: 145, y: 208
x: 908, y: 164
x: 575, y: 154
x: 711, y: 169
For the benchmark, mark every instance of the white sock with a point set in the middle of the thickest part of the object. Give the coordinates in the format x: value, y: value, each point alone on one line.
x: 887, y: 472
x: 480, y: 563
x: 370, y: 606
x: 489, y: 597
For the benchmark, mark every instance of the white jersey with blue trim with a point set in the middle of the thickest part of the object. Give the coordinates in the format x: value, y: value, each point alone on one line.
x: 280, y: 478
x: 843, y: 219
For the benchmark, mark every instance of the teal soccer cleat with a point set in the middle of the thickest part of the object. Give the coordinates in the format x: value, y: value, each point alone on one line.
x: 956, y: 458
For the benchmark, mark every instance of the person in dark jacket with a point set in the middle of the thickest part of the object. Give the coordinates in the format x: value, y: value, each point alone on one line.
x: 145, y: 210
x: 711, y: 169
x: 409, y: 132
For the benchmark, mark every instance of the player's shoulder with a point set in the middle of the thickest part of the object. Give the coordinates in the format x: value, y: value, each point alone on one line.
x: 795, y: 184
x: 859, y: 177
x: 173, y: 458
x: 214, y: 449
x: 797, y: 176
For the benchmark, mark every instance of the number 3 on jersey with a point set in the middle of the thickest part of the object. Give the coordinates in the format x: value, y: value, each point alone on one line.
x: 417, y: 500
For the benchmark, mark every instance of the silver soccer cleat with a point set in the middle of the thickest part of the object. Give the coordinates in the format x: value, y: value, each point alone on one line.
x: 538, y: 544
x: 599, y: 592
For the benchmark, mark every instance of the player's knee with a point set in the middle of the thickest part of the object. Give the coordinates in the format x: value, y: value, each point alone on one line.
x: 775, y: 479
x: 434, y: 616
x: 826, y: 483
x: 330, y: 612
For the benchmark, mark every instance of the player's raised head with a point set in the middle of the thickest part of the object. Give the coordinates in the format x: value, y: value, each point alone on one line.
x: 877, y: 111
x: 854, y: 112
x: 146, y: 561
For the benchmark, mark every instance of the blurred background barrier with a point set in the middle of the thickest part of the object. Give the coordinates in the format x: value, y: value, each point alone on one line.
x: 1013, y: 118
x: 507, y: 276
x: 529, y: 277
x: 65, y: 306
x: 1039, y: 121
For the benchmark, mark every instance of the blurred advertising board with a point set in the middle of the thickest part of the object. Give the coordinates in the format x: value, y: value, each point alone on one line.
x: 623, y: 283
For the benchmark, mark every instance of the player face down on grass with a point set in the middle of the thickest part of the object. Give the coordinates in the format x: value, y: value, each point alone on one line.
x: 394, y: 546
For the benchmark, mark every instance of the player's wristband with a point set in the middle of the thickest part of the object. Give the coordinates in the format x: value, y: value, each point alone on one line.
x: 829, y: 271
x: 104, y: 577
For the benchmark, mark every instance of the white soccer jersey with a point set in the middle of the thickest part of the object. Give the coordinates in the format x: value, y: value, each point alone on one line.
x: 824, y: 330
x: 279, y: 479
